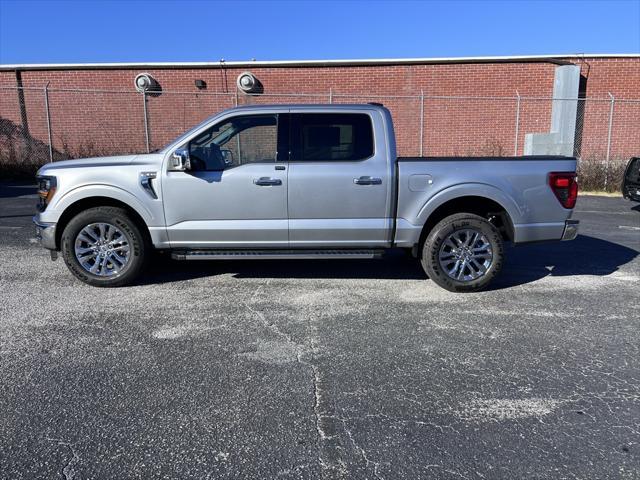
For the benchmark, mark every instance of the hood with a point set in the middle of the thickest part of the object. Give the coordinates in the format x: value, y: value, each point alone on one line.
x: 116, y: 161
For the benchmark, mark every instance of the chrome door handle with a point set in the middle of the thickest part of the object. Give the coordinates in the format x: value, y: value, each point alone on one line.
x: 267, y: 181
x: 365, y: 180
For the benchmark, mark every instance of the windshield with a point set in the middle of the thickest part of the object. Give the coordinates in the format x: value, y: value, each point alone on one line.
x: 185, y: 134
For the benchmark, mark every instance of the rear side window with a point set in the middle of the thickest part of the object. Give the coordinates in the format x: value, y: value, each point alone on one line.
x: 331, y: 137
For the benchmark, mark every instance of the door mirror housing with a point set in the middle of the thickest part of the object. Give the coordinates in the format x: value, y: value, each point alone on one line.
x: 180, y: 161
x: 227, y: 156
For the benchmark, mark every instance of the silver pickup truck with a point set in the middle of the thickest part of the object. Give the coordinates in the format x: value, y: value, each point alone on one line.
x: 303, y: 182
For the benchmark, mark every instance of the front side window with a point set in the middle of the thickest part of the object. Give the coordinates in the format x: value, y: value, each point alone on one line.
x: 234, y: 142
x: 331, y: 137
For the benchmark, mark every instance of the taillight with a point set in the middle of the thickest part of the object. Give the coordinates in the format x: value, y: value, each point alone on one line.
x: 565, y: 187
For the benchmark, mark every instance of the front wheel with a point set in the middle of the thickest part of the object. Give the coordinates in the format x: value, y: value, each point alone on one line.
x: 463, y: 253
x: 104, y: 247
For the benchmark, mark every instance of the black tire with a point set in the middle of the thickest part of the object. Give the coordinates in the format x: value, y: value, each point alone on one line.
x: 441, y: 232
x: 139, y: 247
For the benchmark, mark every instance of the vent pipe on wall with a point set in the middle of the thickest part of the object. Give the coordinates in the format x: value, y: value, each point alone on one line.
x: 561, y: 137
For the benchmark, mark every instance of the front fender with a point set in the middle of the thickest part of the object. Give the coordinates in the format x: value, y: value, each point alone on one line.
x: 59, y: 205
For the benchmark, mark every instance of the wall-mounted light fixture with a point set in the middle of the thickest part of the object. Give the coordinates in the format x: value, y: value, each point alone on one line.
x: 201, y: 84
x: 144, y: 82
x: 248, y: 83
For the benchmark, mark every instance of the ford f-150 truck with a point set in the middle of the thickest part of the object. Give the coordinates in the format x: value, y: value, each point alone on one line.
x: 303, y: 182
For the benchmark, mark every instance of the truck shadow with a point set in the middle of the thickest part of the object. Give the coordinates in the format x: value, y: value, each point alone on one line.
x: 524, y: 264
x: 583, y: 256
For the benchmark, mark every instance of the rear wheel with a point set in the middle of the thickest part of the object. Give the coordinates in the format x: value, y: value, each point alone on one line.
x: 104, y: 247
x: 463, y: 253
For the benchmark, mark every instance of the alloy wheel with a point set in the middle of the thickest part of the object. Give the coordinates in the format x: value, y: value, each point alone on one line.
x: 102, y: 249
x: 465, y: 255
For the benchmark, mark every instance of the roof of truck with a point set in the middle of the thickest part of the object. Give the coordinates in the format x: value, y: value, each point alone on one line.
x: 309, y: 106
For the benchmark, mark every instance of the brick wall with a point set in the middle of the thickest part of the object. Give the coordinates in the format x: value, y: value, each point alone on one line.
x: 621, y: 78
x: 87, y: 122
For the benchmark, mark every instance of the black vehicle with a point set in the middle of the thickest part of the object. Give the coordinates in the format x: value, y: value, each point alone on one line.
x: 631, y: 180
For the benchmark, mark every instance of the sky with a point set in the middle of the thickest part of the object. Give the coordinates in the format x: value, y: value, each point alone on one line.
x: 178, y: 31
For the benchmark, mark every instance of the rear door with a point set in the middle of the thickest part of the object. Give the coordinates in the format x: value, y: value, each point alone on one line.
x: 339, y: 180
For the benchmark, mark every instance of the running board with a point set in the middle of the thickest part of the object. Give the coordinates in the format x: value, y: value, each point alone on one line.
x: 273, y: 254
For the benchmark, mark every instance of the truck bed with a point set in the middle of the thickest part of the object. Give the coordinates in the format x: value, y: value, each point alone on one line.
x: 520, y: 185
x: 484, y: 159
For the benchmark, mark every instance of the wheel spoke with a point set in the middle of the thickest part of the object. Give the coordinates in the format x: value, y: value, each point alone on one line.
x: 117, y: 239
x: 467, y: 238
x: 94, y: 268
x: 91, y: 233
x: 463, y: 264
x: 449, y: 242
x: 479, y: 267
x: 447, y: 255
x: 121, y: 260
x: 452, y: 271
x: 103, y: 265
x: 83, y: 237
x: 86, y: 259
x: 474, y: 239
x: 102, y: 228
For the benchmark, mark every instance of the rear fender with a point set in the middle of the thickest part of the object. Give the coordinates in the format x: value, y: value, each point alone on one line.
x: 469, y: 190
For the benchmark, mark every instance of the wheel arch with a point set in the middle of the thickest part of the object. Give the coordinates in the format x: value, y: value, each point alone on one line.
x: 86, y: 203
x: 484, y: 206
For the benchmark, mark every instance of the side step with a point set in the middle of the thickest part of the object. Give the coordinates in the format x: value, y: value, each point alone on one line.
x: 274, y: 254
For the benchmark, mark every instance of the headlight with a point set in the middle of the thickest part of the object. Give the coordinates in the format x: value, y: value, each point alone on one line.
x: 46, y: 191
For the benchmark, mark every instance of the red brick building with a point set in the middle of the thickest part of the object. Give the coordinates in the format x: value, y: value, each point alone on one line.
x: 440, y: 106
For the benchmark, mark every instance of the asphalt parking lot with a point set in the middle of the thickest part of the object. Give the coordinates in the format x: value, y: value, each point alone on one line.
x: 335, y: 369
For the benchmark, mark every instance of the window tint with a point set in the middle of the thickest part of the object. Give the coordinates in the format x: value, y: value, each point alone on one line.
x: 331, y: 136
x: 237, y: 141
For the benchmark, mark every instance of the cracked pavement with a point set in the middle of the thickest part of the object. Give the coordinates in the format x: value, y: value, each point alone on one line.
x: 324, y: 369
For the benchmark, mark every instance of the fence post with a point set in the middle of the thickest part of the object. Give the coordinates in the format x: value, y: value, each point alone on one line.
x: 146, y: 120
x: 606, y: 166
x: 46, y: 108
x: 421, y: 123
x: 515, y: 148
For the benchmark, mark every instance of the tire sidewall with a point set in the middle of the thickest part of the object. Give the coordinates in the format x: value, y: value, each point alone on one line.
x: 435, y: 239
x: 119, y: 219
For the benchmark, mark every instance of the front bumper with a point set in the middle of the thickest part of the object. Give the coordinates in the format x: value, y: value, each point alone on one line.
x: 46, y: 234
x: 570, y: 229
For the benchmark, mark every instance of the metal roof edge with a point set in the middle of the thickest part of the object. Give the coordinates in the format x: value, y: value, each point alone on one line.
x: 314, y: 63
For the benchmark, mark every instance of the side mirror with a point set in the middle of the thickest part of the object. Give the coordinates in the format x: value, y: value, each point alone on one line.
x: 180, y: 161
x: 227, y: 156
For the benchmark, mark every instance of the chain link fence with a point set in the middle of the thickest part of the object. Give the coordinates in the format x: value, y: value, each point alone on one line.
x: 38, y: 125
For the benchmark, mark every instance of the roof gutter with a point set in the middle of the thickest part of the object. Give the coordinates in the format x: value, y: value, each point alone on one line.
x: 555, y: 59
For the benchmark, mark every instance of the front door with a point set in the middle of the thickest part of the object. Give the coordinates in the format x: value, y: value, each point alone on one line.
x: 235, y: 194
